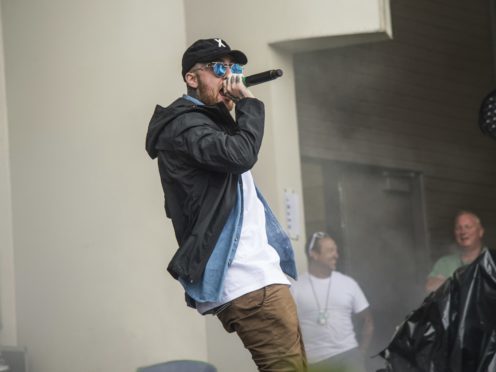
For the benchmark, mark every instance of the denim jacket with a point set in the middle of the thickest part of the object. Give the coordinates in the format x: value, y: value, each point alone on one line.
x: 209, y: 289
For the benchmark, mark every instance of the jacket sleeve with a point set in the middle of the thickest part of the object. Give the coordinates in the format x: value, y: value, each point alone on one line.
x: 213, y: 149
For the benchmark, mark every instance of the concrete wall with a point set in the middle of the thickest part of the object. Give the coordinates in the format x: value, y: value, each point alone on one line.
x: 91, y: 238
x: 8, y: 331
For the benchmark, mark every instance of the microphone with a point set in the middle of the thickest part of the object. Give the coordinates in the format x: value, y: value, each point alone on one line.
x: 262, y: 77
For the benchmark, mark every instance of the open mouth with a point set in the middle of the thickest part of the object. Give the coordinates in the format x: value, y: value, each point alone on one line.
x: 224, y: 96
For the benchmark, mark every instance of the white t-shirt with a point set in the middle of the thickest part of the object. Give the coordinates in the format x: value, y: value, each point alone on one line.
x: 345, y: 299
x: 256, y: 263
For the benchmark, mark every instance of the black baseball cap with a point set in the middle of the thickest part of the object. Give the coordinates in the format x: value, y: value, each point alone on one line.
x: 207, y: 50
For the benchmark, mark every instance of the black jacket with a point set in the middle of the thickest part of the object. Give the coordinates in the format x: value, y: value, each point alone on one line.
x: 201, y: 152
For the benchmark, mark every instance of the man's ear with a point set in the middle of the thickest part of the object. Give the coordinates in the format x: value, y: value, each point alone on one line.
x: 313, y: 254
x: 191, y: 80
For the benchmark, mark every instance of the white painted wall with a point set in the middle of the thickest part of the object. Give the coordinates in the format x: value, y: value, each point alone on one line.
x: 8, y: 331
x: 91, y: 239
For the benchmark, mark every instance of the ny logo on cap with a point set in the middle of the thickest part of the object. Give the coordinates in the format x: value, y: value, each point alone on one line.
x: 221, y: 44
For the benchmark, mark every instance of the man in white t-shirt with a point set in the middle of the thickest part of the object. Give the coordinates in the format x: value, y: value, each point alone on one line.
x: 326, y: 302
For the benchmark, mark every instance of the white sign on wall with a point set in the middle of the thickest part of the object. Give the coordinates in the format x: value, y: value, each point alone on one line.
x: 292, y: 210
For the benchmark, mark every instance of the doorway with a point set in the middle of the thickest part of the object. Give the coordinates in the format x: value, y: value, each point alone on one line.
x: 377, y: 216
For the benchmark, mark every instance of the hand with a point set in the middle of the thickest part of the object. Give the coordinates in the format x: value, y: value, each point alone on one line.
x: 234, y: 88
x: 433, y: 283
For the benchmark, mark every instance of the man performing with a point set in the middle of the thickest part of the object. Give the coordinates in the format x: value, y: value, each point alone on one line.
x: 326, y: 301
x: 233, y: 255
x: 468, y: 233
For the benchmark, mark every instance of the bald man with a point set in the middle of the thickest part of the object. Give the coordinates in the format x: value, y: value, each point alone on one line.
x: 468, y: 233
x: 327, y: 302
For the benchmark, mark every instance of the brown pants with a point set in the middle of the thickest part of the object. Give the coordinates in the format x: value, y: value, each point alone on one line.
x: 267, y: 323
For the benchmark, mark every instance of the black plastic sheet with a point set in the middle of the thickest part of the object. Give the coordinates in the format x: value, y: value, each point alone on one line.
x: 454, y: 330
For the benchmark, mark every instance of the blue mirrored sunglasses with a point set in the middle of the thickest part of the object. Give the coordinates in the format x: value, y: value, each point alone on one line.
x: 220, y: 68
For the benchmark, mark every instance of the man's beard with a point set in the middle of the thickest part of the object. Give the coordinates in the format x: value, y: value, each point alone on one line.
x: 210, y: 96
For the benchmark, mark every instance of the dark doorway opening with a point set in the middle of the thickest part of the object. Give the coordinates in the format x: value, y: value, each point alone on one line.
x: 377, y: 216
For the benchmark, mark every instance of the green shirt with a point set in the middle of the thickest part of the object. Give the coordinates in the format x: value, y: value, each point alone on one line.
x: 446, y: 265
